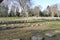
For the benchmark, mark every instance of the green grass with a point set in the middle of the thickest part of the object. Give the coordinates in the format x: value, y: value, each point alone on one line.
x: 21, y: 19
x: 18, y: 19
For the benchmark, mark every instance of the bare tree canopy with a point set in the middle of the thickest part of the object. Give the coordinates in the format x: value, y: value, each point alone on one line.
x: 23, y: 3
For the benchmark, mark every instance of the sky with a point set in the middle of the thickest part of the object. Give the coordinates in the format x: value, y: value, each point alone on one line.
x: 44, y: 3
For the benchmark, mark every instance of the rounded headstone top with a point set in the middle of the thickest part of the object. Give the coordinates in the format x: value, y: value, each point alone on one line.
x: 37, y: 37
x: 50, y: 34
x: 16, y: 39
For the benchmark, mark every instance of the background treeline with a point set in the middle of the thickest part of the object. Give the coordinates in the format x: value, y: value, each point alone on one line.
x: 36, y: 12
x: 50, y: 11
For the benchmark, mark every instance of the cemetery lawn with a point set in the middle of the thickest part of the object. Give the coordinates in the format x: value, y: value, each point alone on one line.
x: 25, y: 19
x: 32, y: 27
x: 17, y: 19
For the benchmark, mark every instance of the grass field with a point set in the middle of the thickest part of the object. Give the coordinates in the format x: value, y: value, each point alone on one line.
x: 7, y: 19
x: 28, y: 29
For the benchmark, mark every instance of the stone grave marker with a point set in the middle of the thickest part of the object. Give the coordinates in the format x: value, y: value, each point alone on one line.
x: 15, y: 39
x: 37, y: 37
x: 57, y: 31
x: 50, y: 34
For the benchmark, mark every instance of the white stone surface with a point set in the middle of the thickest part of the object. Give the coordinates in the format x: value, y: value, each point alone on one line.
x: 16, y: 39
x: 37, y: 37
x: 49, y: 34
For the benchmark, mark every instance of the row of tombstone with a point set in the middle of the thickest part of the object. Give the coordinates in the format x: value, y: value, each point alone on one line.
x: 6, y: 28
x: 39, y: 37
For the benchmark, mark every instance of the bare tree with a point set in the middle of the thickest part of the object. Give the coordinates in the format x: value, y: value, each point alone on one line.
x: 53, y: 10
x: 24, y: 4
x: 36, y: 11
x: 48, y: 10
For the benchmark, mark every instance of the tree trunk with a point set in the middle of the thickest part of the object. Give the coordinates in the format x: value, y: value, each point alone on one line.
x: 26, y: 14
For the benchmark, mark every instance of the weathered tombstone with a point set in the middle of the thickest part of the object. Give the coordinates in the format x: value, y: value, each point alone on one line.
x: 15, y: 39
x: 0, y: 22
x: 3, y: 22
x: 57, y: 31
x: 37, y: 37
x: 4, y: 25
x: 50, y: 34
x: 12, y: 26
